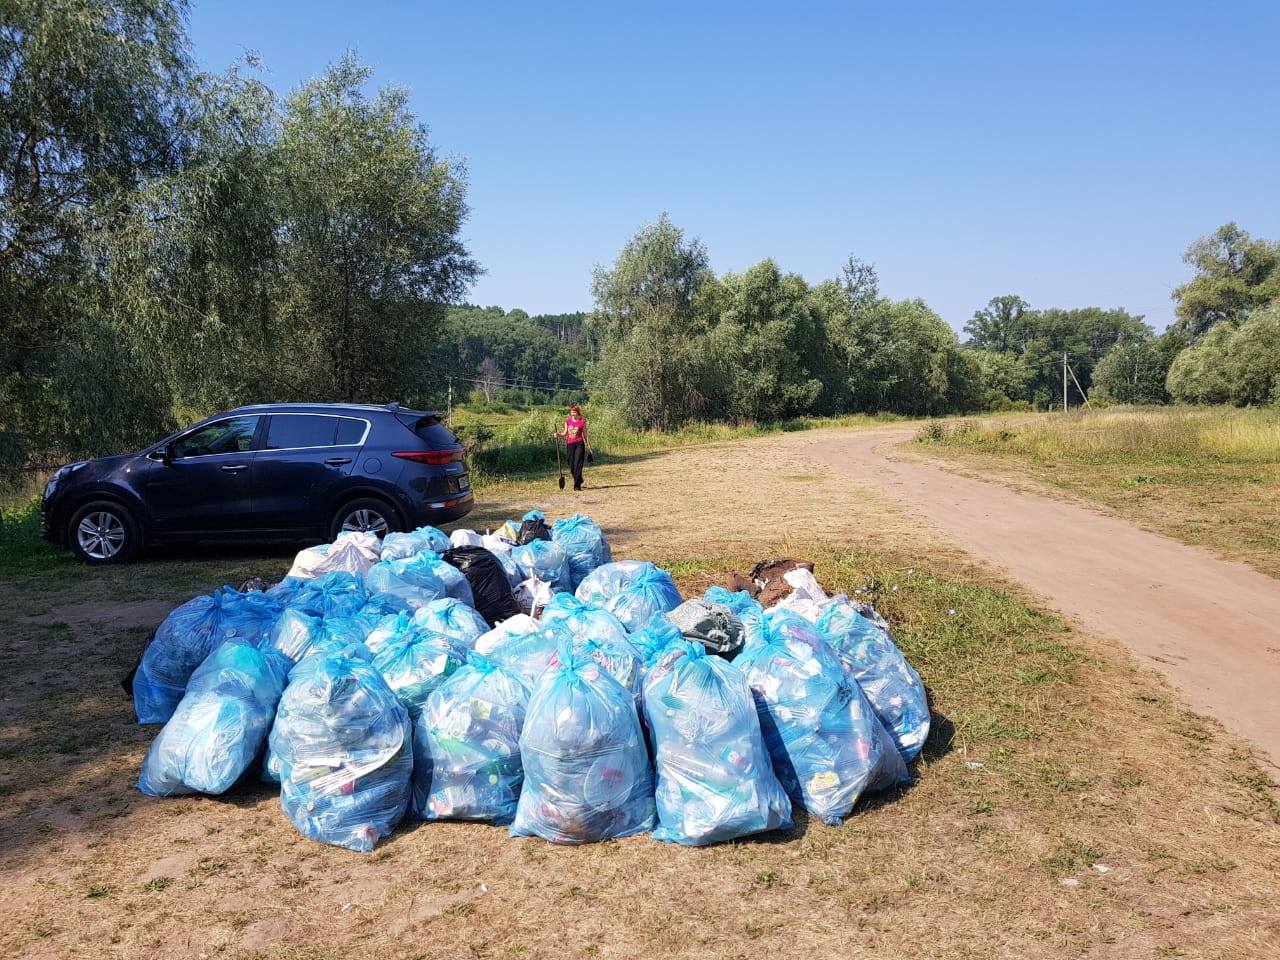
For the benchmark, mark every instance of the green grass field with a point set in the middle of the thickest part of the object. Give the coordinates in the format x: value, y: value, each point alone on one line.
x: 1205, y: 475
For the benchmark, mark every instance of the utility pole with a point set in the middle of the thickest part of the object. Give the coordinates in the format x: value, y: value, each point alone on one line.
x: 449, y: 418
x: 1064, y: 381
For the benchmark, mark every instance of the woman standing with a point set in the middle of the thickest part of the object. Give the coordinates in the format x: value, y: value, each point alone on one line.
x: 576, y: 443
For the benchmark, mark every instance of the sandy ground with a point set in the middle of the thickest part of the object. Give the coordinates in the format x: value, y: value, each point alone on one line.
x: 1076, y: 810
x: 1211, y: 625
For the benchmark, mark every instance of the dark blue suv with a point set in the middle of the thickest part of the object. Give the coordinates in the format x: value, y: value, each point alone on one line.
x: 272, y: 471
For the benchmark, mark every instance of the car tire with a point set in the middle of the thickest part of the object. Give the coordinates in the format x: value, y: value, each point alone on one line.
x: 368, y: 514
x: 103, y: 532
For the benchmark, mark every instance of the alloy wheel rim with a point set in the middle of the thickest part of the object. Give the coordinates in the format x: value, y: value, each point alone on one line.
x: 365, y: 521
x: 100, y: 535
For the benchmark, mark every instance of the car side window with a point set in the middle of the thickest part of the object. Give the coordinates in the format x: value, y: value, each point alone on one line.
x: 350, y: 432
x: 288, y: 431
x: 233, y: 435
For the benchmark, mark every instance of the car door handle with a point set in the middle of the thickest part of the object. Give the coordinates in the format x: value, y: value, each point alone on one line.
x: 337, y: 461
x: 234, y: 467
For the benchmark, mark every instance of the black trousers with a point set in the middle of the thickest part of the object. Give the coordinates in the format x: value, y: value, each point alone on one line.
x: 577, y: 456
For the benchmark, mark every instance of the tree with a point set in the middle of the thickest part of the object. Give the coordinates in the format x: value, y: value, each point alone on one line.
x: 489, y: 378
x: 770, y: 331
x: 93, y: 100
x: 1132, y: 373
x: 654, y: 362
x: 897, y: 356
x: 370, y: 243
x: 1200, y: 374
x: 1002, y: 325
x: 1085, y: 334
x: 1234, y: 273
x: 1232, y: 363
x: 1004, y: 379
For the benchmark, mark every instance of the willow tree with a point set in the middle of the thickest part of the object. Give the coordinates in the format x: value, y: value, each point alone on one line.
x: 93, y: 100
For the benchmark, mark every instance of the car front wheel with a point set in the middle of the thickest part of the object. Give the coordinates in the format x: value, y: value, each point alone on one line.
x: 103, y: 532
x: 366, y: 515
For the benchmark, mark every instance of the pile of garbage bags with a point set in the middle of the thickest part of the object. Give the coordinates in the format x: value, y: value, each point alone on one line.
x: 523, y: 677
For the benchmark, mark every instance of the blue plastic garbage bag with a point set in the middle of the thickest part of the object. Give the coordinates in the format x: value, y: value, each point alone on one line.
x: 518, y: 626
x: 652, y: 592
x: 337, y: 594
x: 452, y: 618
x: 608, y: 580
x: 388, y: 630
x: 528, y: 655
x: 466, y: 746
x: 188, y: 635
x: 515, y: 576
x: 400, y: 546
x: 889, y: 681
x: 345, y: 748
x: 334, y: 635
x: 328, y: 638
x: 584, y: 619
x: 417, y: 663
x: 377, y: 608
x: 286, y: 589
x: 546, y: 561
x: 632, y: 590
x: 418, y: 580
x: 586, y: 768
x: 584, y: 545
x: 295, y: 632
x: 219, y: 727
x: 715, y: 781
x: 618, y: 657
x: 652, y: 640
x: 740, y: 602
x: 826, y: 742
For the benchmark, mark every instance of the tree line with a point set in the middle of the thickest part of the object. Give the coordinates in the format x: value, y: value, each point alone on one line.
x: 677, y: 342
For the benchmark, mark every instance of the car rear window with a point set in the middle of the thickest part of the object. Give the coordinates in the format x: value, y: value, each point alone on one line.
x: 431, y: 431
x: 292, y: 430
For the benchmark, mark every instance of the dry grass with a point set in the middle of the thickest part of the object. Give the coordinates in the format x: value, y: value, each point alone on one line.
x: 1052, y: 758
x: 1206, y: 475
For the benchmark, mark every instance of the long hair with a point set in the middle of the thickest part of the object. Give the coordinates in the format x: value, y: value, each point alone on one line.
x: 575, y: 410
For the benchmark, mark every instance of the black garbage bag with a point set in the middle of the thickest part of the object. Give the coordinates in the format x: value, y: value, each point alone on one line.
x: 533, y: 527
x: 489, y: 585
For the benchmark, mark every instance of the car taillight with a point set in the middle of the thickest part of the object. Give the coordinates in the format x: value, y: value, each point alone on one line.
x: 448, y: 455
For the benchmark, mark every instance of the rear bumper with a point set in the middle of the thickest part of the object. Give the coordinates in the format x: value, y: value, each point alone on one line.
x: 448, y: 510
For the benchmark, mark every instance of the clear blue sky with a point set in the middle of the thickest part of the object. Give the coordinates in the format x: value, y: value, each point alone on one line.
x: 1067, y: 152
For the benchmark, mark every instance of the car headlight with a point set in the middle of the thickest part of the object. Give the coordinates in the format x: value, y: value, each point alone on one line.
x: 61, y: 474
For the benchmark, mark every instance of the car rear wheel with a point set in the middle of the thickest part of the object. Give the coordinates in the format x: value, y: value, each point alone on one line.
x: 103, y: 532
x: 366, y: 515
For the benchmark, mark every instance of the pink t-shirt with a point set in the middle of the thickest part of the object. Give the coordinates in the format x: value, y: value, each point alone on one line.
x: 573, y: 428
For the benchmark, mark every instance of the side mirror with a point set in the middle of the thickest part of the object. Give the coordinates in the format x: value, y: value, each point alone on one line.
x: 166, y: 455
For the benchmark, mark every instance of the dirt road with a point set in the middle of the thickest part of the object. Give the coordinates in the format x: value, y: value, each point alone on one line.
x: 1212, y: 626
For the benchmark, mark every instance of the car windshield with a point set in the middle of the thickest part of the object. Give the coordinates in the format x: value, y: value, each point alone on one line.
x: 233, y: 435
